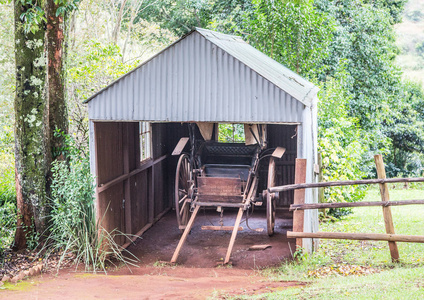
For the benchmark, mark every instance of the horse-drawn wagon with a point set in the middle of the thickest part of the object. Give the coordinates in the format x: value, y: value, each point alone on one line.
x: 221, y: 175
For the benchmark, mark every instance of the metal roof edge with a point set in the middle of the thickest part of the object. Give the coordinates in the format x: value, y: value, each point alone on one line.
x: 138, y: 67
x: 307, y: 100
x: 202, y: 32
x: 311, y: 95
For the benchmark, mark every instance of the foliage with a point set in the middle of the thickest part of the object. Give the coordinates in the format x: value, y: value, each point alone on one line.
x: 7, y: 201
x: 405, y: 128
x: 231, y: 133
x: 393, y: 7
x: 74, y: 229
x: 183, y: 15
x: 65, y: 7
x: 93, y: 67
x: 33, y: 17
x: 292, y: 32
x: 341, y: 142
x: 7, y: 189
x: 364, y: 40
x: 7, y: 158
x: 7, y: 225
x: 419, y: 47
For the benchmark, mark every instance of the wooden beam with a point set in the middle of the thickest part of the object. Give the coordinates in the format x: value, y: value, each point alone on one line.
x: 358, y: 236
x: 223, y: 204
x: 354, y: 204
x: 387, y: 212
x: 233, y: 236
x: 144, y: 166
x: 291, y: 187
x: 151, y: 200
x: 184, y: 236
x: 146, y: 227
x: 224, y: 228
x: 299, y: 199
x: 127, y: 188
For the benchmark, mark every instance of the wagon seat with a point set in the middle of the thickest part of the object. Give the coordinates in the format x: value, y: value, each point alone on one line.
x: 224, y: 170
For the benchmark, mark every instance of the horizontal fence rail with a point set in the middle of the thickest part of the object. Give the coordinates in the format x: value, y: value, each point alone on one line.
x: 291, y: 187
x: 353, y: 204
x: 299, y: 206
x: 358, y: 236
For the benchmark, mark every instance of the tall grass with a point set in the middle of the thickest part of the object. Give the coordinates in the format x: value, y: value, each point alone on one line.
x: 75, y: 231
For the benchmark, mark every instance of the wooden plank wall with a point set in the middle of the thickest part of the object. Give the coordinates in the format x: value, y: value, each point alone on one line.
x: 130, y: 193
x: 282, y: 136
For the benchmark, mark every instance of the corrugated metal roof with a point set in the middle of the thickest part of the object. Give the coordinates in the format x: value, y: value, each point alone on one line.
x: 284, y: 78
x: 206, y: 76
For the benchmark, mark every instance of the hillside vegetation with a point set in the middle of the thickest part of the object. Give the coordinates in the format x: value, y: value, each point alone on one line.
x: 410, y: 39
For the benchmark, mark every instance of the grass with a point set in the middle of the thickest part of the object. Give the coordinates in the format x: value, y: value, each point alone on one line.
x: 404, y: 280
x: 399, y: 283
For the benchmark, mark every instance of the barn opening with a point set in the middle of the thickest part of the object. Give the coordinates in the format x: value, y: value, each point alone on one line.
x: 205, y: 77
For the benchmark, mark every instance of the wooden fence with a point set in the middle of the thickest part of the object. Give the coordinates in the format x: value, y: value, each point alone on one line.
x: 299, y: 206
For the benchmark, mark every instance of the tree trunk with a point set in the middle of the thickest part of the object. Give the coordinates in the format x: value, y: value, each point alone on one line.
x: 117, y: 27
x: 58, y: 114
x: 31, y: 125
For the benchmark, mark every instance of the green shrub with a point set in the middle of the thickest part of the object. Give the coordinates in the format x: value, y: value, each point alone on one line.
x: 419, y: 47
x: 231, y: 133
x: 7, y: 189
x: 75, y: 230
x: 343, y: 145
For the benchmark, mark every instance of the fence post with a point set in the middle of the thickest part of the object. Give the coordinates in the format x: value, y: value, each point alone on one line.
x: 320, y: 190
x: 299, y: 198
x: 387, y: 212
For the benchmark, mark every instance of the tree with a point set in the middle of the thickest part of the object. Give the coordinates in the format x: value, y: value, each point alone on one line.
x: 364, y: 40
x: 40, y: 107
x: 56, y: 14
x: 31, y: 123
x: 181, y: 16
x: 292, y: 32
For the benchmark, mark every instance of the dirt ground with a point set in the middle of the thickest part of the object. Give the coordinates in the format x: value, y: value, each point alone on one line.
x: 149, y: 283
x: 206, y: 248
x: 196, y: 276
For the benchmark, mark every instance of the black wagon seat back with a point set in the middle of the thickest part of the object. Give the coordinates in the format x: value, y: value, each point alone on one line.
x: 230, y: 160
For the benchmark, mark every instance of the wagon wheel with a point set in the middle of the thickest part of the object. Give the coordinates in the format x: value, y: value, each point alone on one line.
x: 270, y: 201
x: 183, y: 188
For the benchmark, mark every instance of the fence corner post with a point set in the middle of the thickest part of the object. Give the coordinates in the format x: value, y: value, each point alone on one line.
x: 299, y: 198
x: 387, y: 212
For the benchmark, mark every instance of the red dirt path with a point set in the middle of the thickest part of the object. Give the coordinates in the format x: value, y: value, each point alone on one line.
x: 197, y: 275
x: 155, y: 283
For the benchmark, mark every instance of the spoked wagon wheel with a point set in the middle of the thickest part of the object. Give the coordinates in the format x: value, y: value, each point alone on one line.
x: 270, y: 201
x: 183, y: 188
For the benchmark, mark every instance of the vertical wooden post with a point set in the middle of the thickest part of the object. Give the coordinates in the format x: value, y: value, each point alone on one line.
x: 387, y: 212
x: 299, y: 198
x: 127, y: 189
x: 320, y: 190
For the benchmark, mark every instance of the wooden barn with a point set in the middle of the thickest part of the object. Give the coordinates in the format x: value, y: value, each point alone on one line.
x: 205, y: 78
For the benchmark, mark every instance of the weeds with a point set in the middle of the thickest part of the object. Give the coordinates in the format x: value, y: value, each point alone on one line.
x: 75, y: 231
x: 7, y: 192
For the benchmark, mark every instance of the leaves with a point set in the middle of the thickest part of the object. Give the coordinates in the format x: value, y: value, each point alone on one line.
x: 292, y: 32
x: 342, y: 270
